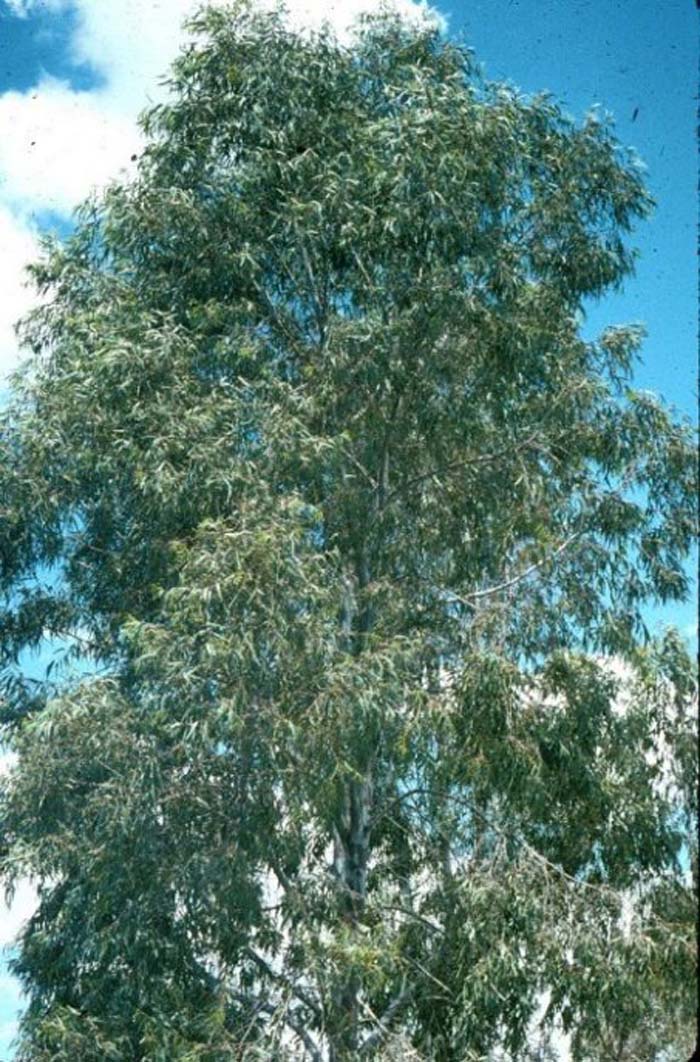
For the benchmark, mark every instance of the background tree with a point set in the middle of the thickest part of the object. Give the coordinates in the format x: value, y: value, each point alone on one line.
x: 311, y: 459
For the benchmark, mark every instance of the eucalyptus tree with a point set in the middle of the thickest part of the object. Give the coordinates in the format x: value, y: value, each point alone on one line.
x: 310, y: 458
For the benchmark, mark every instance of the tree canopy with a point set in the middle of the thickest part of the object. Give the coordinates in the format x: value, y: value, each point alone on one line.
x: 368, y: 753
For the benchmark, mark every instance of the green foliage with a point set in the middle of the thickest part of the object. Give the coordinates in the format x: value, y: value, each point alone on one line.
x: 311, y: 462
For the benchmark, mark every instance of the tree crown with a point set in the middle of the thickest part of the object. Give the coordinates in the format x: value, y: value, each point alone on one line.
x: 312, y: 459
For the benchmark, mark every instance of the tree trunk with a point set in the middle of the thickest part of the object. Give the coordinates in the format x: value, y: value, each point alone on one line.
x: 350, y: 859
x: 351, y: 841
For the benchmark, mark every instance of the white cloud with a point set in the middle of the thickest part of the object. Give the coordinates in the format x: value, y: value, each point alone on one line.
x: 131, y: 44
x: 18, y: 246
x: 57, y: 144
x: 15, y: 914
x: 7, y: 761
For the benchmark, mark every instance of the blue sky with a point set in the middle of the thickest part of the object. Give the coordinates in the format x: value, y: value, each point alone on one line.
x: 74, y: 74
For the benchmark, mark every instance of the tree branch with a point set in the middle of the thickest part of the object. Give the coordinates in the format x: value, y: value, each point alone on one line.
x: 274, y: 975
x: 383, y: 1029
x: 462, y: 462
x: 259, y: 1005
x: 477, y: 595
